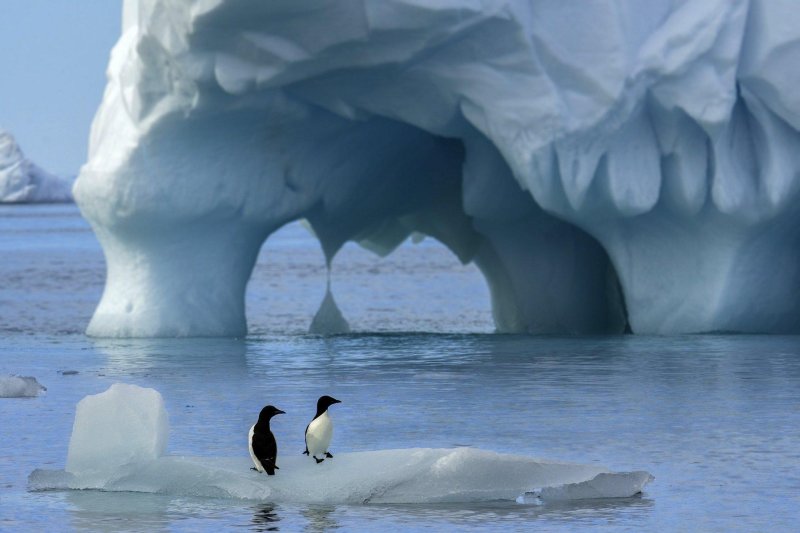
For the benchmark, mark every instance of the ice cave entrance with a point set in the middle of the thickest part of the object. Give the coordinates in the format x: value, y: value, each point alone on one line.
x: 421, y: 286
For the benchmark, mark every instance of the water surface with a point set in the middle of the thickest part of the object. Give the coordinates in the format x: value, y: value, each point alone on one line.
x: 716, y: 419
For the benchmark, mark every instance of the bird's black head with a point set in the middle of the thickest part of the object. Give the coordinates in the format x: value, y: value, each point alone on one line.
x: 268, y: 412
x: 324, y: 402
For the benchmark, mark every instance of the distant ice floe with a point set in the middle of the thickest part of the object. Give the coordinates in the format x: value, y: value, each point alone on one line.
x: 120, y: 435
x: 20, y: 387
x: 21, y: 181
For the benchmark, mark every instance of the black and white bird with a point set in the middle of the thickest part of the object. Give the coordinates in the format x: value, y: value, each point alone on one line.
x: 261, y: 442
x: 320, y: 431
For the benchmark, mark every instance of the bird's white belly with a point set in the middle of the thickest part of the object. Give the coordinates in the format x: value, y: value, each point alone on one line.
x: 319, y: 435
x: 250, y: 447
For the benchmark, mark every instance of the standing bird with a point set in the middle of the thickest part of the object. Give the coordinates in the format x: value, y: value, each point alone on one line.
x: 320, y: 431
x: 261, y: 442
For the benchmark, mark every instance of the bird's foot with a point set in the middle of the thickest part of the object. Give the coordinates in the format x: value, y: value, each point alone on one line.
x: 254, y: 468
x: 318, y: 460
x: 305, y: 452
x: 328, y: 455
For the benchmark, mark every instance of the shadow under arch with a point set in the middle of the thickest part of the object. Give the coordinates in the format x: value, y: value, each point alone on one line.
x: 544, y: 275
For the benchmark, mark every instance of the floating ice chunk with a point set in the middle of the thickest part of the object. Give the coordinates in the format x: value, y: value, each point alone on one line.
x: 119, y: 436
x: 124, y: 425
x: 20, y: 387
x: 605, y: 485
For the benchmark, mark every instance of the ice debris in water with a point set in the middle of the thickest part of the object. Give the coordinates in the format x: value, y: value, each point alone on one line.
x: 119, y: 438
x: 20, y: 387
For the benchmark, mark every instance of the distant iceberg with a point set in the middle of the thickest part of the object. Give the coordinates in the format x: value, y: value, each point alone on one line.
x: 119, y: 437
x: 21, y: 181
x: 20, y: 387
x: 607, y: 165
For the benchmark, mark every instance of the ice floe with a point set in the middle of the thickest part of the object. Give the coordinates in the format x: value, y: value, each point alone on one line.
x: 20, y: 387
x: 119, y: 438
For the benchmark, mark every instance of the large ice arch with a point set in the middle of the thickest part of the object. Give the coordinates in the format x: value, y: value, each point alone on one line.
x: 570, y: 149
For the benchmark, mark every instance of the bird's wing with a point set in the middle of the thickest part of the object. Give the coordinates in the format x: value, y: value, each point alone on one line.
x: 305, y: 438
x: 265, y: 448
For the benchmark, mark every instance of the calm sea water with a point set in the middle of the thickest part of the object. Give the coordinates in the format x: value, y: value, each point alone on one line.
x: 716, y: 419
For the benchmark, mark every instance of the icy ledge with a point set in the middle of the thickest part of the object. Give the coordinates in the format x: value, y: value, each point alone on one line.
x: 105, y: 454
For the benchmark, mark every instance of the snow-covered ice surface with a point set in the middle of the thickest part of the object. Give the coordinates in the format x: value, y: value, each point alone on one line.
x: 21, y: 181
x: 20, y: 387
x: 119, y: 438
x: 604, y: 164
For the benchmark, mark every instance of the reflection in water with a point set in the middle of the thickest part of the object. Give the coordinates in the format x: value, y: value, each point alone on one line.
x: 319, y: 518
x: 118, y: 511
x: 265, y: 518
x: 599, y: 510
x: 500, y: 514
x: 192, y: 357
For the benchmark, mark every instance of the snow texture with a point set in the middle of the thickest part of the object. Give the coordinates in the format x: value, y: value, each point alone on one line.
x: 118, y: 444
x: 605, y: 164
x: 20, y: 387
x: 21, y: 181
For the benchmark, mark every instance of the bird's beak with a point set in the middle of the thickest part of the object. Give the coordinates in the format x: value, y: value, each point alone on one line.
x: 337, y: 401
x: 279, y: 412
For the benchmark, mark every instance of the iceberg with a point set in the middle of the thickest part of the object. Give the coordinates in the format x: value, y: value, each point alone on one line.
x: 21, y: 181
x: 609, y: 165
x: 20, y: 387
x: 119, y: 438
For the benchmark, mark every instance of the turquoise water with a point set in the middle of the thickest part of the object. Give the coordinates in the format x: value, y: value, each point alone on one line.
x: 716, y: 419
